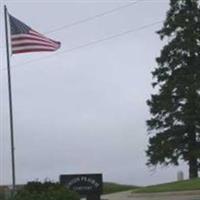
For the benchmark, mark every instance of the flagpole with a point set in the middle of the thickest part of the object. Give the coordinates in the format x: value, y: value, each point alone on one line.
x: 10, y: 101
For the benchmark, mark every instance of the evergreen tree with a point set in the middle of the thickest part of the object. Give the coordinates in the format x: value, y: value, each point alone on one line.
x: 174, y: 126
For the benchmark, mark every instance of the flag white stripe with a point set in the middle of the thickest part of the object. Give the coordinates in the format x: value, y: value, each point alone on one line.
x: 34, y: 33
x: 37, y: 34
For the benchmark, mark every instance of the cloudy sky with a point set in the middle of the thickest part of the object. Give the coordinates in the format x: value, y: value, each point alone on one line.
x: 82, y: 109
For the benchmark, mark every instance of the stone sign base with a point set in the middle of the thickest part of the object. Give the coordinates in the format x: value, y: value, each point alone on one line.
x: 93, y: 197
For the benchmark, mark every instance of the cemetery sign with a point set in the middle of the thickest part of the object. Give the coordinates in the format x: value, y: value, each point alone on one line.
x: 84, y: 184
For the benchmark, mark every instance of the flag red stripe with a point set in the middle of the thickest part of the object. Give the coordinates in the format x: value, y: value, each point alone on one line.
x: 33, y: 43
x: 30, y: 50
x: 26, y: 45
x: 31, y: 37
x: 32, y: 47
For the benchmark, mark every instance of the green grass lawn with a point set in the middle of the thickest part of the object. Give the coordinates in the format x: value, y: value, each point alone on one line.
x: 169, y: 187
x: 107, y: 188
x: 114, y: 187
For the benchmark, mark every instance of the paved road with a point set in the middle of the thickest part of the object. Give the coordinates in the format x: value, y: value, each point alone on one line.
x: 163, y: 196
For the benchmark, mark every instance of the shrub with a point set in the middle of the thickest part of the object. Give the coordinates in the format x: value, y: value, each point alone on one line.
x: 2, y: 196
x: 45, y: 191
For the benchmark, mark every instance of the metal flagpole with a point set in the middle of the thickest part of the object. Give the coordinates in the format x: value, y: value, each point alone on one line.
x: 10, y: 100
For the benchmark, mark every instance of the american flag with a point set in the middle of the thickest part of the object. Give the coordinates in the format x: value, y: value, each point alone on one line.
x: 24, y: 39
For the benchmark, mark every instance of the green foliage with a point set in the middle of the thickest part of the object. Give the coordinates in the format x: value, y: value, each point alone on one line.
x: 170, y: 187
x: 44, y: 191
x: 175, y: 109
x: 2, y: 196
x: 3, y: 192
x: 109, y: 188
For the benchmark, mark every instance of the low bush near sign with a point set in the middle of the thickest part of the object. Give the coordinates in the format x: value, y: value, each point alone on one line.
x: 2, y: 196
x: 44, y: 191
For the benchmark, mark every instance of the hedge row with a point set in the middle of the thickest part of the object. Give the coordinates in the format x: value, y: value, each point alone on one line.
x: 44, y: 191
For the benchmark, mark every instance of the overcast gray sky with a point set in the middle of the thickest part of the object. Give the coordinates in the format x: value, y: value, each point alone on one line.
x: 82, y: 111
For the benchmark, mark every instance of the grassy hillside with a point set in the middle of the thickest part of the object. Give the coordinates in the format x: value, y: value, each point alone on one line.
x: 114, y: 187
x: 174, y: 186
